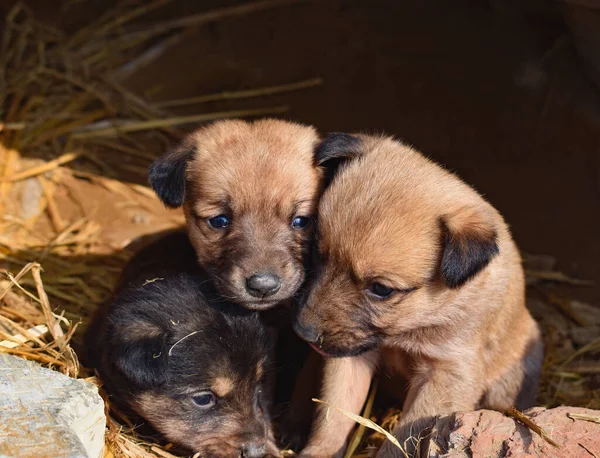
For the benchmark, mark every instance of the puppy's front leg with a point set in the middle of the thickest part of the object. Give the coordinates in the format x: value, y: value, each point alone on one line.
x: 298, y: 418
x: 433, y: 392
x: 346, y: 385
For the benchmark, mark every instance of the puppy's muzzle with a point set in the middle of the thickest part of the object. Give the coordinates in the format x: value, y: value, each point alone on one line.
x: 308, y: 332
x: 254, y: 450
x: 263, y: 284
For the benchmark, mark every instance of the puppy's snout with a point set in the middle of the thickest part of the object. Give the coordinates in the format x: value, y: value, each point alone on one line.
x: 263, y: 284
x: 256, y: 449
x: 307, y: 331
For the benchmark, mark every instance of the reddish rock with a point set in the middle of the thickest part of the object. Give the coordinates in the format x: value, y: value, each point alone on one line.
x: 489, y: 434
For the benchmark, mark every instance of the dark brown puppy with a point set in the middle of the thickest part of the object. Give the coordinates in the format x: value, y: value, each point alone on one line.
x: 249, y: 193
x: 192, y: 364
x: 416, y: 274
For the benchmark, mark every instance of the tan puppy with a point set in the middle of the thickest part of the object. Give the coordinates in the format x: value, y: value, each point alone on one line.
x: 416, y: 274
x: 249, y: 193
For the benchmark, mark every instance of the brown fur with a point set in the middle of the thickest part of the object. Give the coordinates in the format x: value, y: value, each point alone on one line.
x: 456, y: 326
x: 222, y: 386
x: 260, y: 174
x: 142, y: 330
x: 217, y: 441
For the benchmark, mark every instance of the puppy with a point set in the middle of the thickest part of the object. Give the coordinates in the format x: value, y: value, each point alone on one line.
x: 193, y: 365
x: 416, y: 274
x: 249, y: 193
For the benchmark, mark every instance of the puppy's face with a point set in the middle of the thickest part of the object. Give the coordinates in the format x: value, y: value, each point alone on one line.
x: 249, y: 193
x: 212, y: 402
x: 398, y: 237
x: 197, y: 378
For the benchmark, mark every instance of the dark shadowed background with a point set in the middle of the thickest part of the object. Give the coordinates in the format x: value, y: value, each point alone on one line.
x: 493, y: 90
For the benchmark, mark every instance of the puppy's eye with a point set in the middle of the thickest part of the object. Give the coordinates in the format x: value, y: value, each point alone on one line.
x: 219, y: 222
x: 380, y: 291
x: 205, y: 399
x: 300, y: 222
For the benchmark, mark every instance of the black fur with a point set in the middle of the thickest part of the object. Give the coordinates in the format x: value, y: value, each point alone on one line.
x: 167, y: 176
x: 337, y: 145
x: 175, y: 306
x: 336, y: 149
x: 142, y: 361
x: 465, y: 255
x: 160, y: 255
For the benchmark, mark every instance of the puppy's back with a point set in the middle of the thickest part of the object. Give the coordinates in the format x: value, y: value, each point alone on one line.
x: 159, y: 255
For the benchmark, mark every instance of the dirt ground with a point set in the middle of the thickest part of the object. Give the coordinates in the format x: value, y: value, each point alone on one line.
x: 501, y: 102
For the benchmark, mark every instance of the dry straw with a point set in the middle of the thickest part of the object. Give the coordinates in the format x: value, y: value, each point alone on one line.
x: 521, y: 417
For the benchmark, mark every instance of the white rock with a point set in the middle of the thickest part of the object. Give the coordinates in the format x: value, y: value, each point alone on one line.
x: 46, y: 414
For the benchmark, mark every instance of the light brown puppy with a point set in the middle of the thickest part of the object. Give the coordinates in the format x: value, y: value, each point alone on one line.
x: 249, y: 193
x: 416, y: 274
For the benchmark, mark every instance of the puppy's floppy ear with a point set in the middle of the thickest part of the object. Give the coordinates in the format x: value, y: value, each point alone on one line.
x: 470, y: 243
x: 335, y: 149
x: 167, y: 176
x: 337, y: 145
x: 143, y: 360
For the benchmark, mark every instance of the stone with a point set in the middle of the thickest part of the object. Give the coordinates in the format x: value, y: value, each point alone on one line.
x: 44, y: 413
x: 489, y: 434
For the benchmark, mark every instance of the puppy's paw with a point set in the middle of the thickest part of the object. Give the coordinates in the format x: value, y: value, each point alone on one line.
x: 294, y: 432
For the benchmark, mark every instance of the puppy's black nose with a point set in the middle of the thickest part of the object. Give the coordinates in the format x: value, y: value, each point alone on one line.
x: 308, y: 332
x: 263, y: 284
x: 254, y: 450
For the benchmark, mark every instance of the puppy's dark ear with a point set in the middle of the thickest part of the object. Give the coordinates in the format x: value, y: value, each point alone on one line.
x: 337, y: 145
x: 469, y: 244
x: 144, y: 360
x: 167, y: 176
x: 335, y: 149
